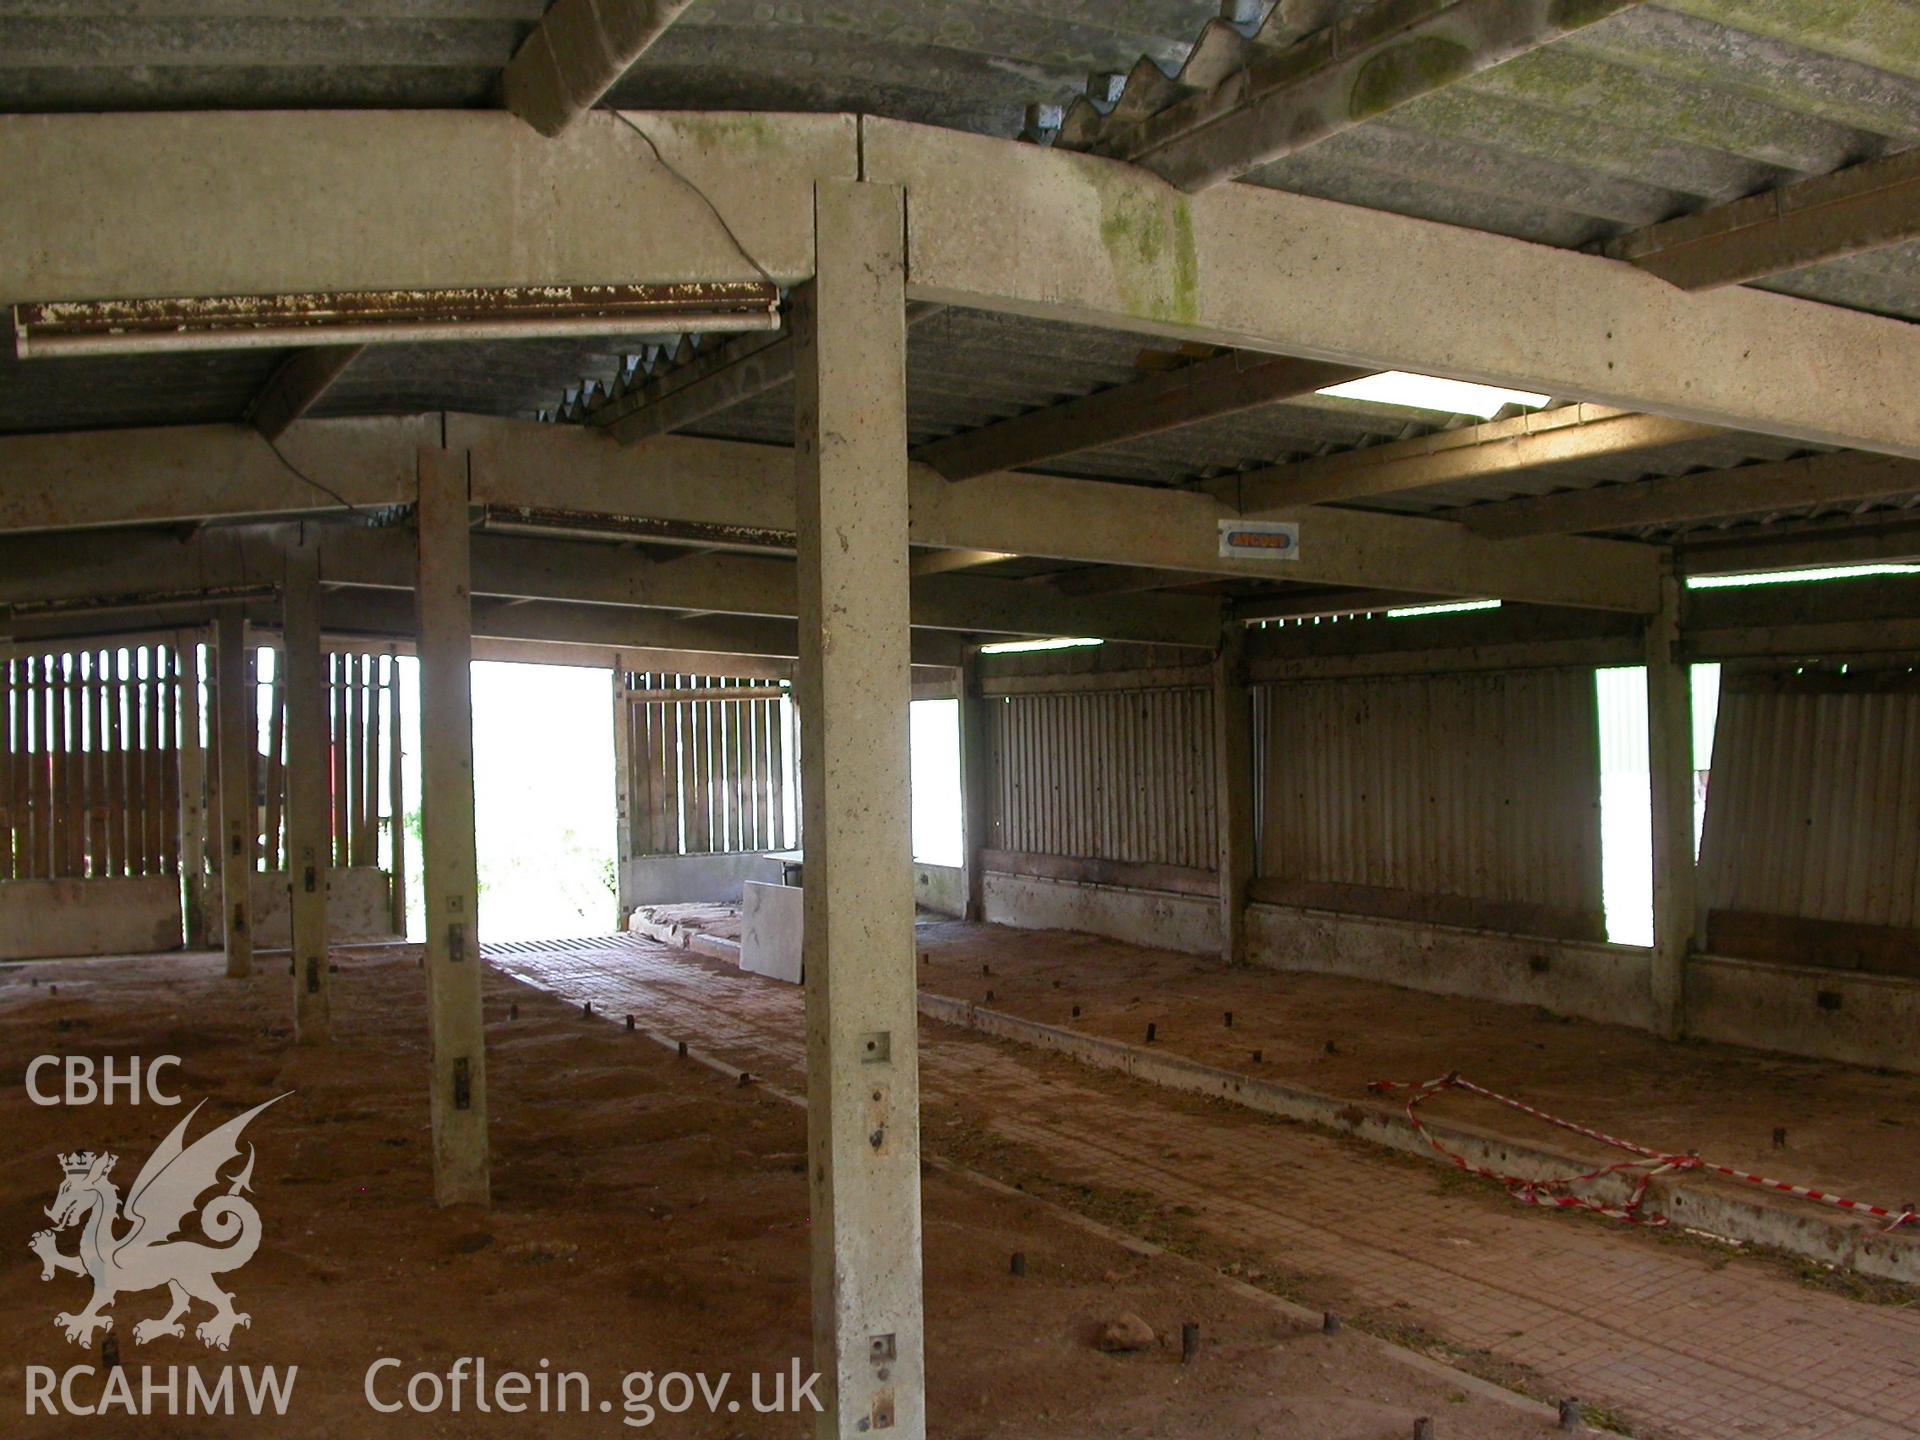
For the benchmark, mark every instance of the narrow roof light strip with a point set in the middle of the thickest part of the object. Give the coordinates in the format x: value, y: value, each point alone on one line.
x: 1016, y: 647
x: 1432, y: 392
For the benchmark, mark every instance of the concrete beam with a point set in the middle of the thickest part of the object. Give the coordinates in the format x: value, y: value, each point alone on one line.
x: 1743, y: 490
x: 1284, y: 101
x: 636, y: 631
x: 863, y: 1094
x: 976, y: 603
x: 1081, y: 239
x: 189, y: 473
x: 1509, y: 638
x: 603, y: 657
x: 151, y: 205
x: 237, y: 847
x: 1118, y: 580
x: 457, y: 1060
x: 577, y: 53
x: 121, y: 206
x: 1537, y: 441
x: 724, y: 584
x: 743, y: 494
x: 611, y: 627
x: 296, y: 387
x: 141, y: 569
x: 1892, y: 535
x: 1319, y: 604
x: 1179, y: 530
x: 76, y: 567
x: 1877, y: 614
x: 310, y: 848
x: 1828, y: 217
x: 724, y: 484
x: 941, y: 562
x: 1224, y: 385
x: 594, y: 635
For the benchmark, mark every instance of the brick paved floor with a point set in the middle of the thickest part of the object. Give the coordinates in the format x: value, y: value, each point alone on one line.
x: 1672, y: 1338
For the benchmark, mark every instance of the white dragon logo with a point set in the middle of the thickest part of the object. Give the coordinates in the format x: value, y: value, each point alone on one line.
x: 145, y: 1255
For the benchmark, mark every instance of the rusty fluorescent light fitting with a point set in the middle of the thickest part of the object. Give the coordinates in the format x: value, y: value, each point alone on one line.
x: 372, y: 317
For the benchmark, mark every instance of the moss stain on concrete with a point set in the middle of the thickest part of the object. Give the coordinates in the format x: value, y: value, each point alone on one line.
x: 742, y: 134
x: 1881, y: 33
x: 1149, y: 241
x: 1396, y: 76
x: 1570, y: 14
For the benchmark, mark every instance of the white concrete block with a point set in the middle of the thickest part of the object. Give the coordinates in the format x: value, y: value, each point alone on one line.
x: 772, y: 923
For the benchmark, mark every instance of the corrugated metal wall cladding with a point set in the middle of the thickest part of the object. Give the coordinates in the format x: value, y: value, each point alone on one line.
x: 1485, y: 786
x: 1814, y: 806
x: 1104, y: 775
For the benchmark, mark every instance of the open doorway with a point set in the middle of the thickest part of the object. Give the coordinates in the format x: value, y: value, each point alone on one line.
x: 543, y: 800
x: 934, y: 740
x: 1626, y: 795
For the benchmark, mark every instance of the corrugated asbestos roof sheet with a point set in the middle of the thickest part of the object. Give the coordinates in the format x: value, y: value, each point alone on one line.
x: 973, y: 64
x: 1664, y: 110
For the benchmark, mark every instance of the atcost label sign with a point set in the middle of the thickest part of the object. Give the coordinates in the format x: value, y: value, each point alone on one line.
x: 1260, y: 539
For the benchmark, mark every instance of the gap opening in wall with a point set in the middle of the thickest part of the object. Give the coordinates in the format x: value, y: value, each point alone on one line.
x: 1626, y: 792
x: 934, y: 767
x: 543, y: 800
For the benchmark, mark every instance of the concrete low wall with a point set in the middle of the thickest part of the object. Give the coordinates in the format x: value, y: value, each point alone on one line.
x: 940, y: 888
x: 1856, y: 1018
x: 1595, y: 982
x: 702, y: 879
x: 118, y: 915
x: 1846, y: 1016
x: 1156, y: 918
x: 359, y: 907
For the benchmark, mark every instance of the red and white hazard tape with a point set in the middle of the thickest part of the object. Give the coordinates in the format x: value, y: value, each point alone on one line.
x: 1646, y: 1164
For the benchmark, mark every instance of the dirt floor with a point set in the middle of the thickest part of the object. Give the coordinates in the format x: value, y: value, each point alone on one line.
x: 649, y: 1215
x: 1658, y: 1333
x: 1849, y: 1130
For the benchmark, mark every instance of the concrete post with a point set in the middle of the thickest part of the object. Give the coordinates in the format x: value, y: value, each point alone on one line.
x: 457, y: 1034
x: 239, y: 821
x: 974, y: 779
x: 193, y: 793
x: 1233, y: 779
x: 1670, y: 761
x: 622, y: 795
x: 309, y: 792
x: 863, y: 1101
